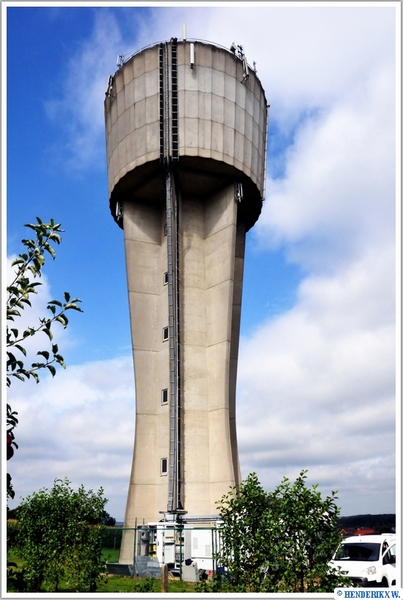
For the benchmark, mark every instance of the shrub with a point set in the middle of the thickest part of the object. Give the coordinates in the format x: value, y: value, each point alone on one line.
x: 59, y: 535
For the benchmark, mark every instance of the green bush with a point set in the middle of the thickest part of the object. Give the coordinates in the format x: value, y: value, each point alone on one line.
x: 217, y: 584
x: 144, y: 585
x: 278, y: 541
x: 59, y: 537
x: 15, y: 578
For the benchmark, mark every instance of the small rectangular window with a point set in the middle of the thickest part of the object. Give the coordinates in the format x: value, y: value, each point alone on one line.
x: 164, y: 466
x: 164, y: 396
x: 165, y: 334
x: 165, y: 277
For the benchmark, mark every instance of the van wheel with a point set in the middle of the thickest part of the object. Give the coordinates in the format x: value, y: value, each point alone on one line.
x: 384, y: 583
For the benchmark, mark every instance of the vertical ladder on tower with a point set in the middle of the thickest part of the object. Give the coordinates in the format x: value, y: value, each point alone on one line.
x: 161, y: 101
x: 169, y: 155
x: 174, y: 99
x: 175, y: 204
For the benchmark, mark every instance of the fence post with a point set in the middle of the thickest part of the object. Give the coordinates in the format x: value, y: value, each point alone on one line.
x: 164, y: 578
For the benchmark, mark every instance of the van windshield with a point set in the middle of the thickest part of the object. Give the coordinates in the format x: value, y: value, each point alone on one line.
x: 359, y: 551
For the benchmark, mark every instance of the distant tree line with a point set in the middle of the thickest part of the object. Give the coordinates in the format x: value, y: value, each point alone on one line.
x: 383, y: 523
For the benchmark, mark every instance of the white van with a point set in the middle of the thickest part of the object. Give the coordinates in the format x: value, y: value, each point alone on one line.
x: 368, y: 560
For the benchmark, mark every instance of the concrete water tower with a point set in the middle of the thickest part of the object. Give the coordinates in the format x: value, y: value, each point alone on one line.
x: 186, y: 135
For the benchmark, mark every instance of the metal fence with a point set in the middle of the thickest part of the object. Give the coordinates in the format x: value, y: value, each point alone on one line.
x: 190, y: 552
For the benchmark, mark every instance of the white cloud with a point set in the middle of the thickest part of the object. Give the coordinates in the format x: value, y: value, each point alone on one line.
x: 337, y: 195
x: 307, y: 56
x: 316, y: 386
x: 78, y: 425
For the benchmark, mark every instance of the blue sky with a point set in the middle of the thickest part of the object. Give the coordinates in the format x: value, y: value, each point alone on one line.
x: 316, y: 383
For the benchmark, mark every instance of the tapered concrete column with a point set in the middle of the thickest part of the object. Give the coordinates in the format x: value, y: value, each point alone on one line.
x: 207, y: 277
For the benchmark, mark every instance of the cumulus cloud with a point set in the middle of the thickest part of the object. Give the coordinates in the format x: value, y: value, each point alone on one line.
x: 78, y: 425
x: 306, y: 56
x: 337, y: 195
x: 316, y: 385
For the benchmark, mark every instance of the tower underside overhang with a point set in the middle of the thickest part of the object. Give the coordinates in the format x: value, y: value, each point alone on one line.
x: 196, y: 176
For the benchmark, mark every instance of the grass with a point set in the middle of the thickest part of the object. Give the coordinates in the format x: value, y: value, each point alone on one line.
x: 110, y: 555
x: 117, y: 583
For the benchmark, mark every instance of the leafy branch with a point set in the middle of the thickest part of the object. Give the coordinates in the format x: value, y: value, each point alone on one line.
x: 29, y: 264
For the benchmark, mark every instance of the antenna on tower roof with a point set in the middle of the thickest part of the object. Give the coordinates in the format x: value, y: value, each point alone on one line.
x: 184, y: 32
x: 239, y: 53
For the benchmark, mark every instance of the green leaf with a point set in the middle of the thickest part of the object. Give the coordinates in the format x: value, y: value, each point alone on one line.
x: 51, y: 251
x: 12, y: 313
x: 34, y: 375
x: 48, y: 332
x: 21, y: 349
x: 63, y: 320
x: 72, y: 306
x: 52, y: 369
x: 28, y: 243
x: 18, y: 376
x: 28, y: 332
x: 18, y: 261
